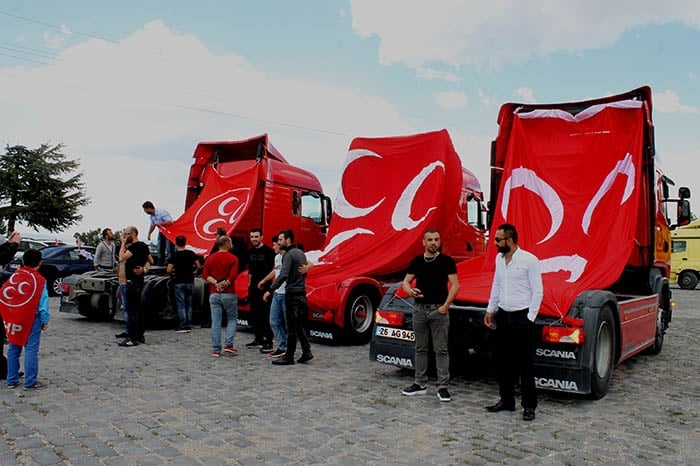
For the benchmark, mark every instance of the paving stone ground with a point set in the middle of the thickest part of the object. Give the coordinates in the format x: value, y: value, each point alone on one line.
x: 170, y: 402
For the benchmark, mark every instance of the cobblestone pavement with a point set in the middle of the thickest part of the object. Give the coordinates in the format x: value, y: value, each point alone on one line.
x: 170, y: 402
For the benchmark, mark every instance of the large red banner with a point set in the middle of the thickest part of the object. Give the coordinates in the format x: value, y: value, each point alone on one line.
x: 222, y: 203
x: 571, y: 188
x: 389, y: 195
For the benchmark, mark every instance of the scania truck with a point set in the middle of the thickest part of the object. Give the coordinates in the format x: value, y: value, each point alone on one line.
x: 581, y: 184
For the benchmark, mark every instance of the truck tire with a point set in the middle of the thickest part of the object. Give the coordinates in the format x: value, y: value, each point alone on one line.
x: 688, y: 280
x: 159, y: 312
x: 359, y: 314
x: 662, y: 319
x: 603, y: 353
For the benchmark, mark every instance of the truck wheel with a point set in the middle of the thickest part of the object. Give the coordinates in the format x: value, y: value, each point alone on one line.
x: 688, y: 280
x: 661, y: 321
x: 603, y: 353
x: 359, y: 315
x: 156, y: 304
x: 53, y: 284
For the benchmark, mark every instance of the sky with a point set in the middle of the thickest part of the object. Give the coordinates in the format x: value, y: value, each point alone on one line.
x: 131, y: 87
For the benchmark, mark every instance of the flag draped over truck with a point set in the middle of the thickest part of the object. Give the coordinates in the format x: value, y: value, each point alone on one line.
x: 571, y: 187
x: 223, y: 202
x: 389, y: 196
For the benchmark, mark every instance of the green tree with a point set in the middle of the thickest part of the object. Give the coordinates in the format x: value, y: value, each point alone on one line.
x: 89, y: 238
x: 40, y: 187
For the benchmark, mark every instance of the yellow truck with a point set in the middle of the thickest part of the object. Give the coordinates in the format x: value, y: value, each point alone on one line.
x: 685, y: 255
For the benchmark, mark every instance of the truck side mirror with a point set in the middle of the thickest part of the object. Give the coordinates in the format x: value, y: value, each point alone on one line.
x: 684, y: 192
x: 683, y: 212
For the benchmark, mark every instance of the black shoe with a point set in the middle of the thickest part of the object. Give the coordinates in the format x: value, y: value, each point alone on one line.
x: 253, y: 344
x: 121, y: 335
x: 306, y: 357
x: 529, y: 414
x: 500, y: 406
x: 267, y: 348
x: 128, y: 343
x: 283, y: 362
x: 142, y: 340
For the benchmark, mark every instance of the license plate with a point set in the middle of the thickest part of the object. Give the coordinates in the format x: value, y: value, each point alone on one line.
x: 397, y: 333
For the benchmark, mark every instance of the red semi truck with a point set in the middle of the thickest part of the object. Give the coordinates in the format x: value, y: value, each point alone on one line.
x: 235, y: 185
x: 392, y: 190
x: 580, y: 182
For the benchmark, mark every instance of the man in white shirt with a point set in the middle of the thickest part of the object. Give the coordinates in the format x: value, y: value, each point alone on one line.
x: 516, y: 295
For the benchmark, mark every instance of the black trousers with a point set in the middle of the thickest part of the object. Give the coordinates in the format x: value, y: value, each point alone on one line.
x: 135, y: 320
x: 260, y: 315
x: 514, y: 340
x: 297, y: 311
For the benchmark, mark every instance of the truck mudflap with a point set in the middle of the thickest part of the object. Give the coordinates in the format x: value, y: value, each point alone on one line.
x: 396, y: 352
x: 561, y: 368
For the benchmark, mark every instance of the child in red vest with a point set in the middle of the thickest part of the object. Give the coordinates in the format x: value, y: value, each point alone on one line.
x: 24, y: 305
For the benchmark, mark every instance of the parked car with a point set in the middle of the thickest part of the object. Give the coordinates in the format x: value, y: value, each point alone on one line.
x: 57, y: 262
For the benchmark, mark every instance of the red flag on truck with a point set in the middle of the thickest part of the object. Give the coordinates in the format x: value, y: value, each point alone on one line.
x: 571, y: 209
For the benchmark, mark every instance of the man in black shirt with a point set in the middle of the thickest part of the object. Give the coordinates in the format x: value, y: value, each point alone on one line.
x: 183, y: 262
x: 261, y: 261
x: 432, y: 271
x: 137, y: 260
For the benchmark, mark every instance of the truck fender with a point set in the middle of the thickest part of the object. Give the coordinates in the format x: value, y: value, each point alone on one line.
x: 587, y: 306
x: 346, y: 289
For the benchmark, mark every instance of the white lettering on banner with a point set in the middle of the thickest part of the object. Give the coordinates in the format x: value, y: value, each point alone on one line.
x: 319, y: 334
x: 344, y: 208
x: 395, y: 360
x: 544, y: 382
x: 550, y: 353
x: 11, y: 328
x: 623, y: 167
x: 400, y: 218
x: 220, y: 211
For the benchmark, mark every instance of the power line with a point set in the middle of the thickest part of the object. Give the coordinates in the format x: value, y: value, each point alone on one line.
x: 35, y: 54
x: 25, y: 59
x: 260, y: 120
x: 54, y: 26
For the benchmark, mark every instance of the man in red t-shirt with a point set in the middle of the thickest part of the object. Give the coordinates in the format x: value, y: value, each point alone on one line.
x: 220, y: 271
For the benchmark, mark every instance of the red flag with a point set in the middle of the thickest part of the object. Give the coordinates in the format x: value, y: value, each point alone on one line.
x: 19, y: 300
x: 571, y: 188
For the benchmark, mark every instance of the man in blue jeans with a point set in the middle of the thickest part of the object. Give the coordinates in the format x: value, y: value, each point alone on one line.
x: 220, y: 271
x: 432, y: 271
x: 25, y: 310
x: 183, y: 264
x: 278, y: 308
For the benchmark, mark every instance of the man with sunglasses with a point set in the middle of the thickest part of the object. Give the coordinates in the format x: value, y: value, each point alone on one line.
x: 516, y: 295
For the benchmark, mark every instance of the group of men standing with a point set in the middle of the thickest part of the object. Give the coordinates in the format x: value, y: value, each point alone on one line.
x: 516, y: 295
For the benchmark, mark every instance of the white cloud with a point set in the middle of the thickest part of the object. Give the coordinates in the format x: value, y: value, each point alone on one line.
x: 488, y: 34
x: 451, y: 100
x: 54, y: 41
x: 669, y: 102
x: 486, y: 100
x: 128, y: 111
x: 429, y: 73
x: 524, y: 93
